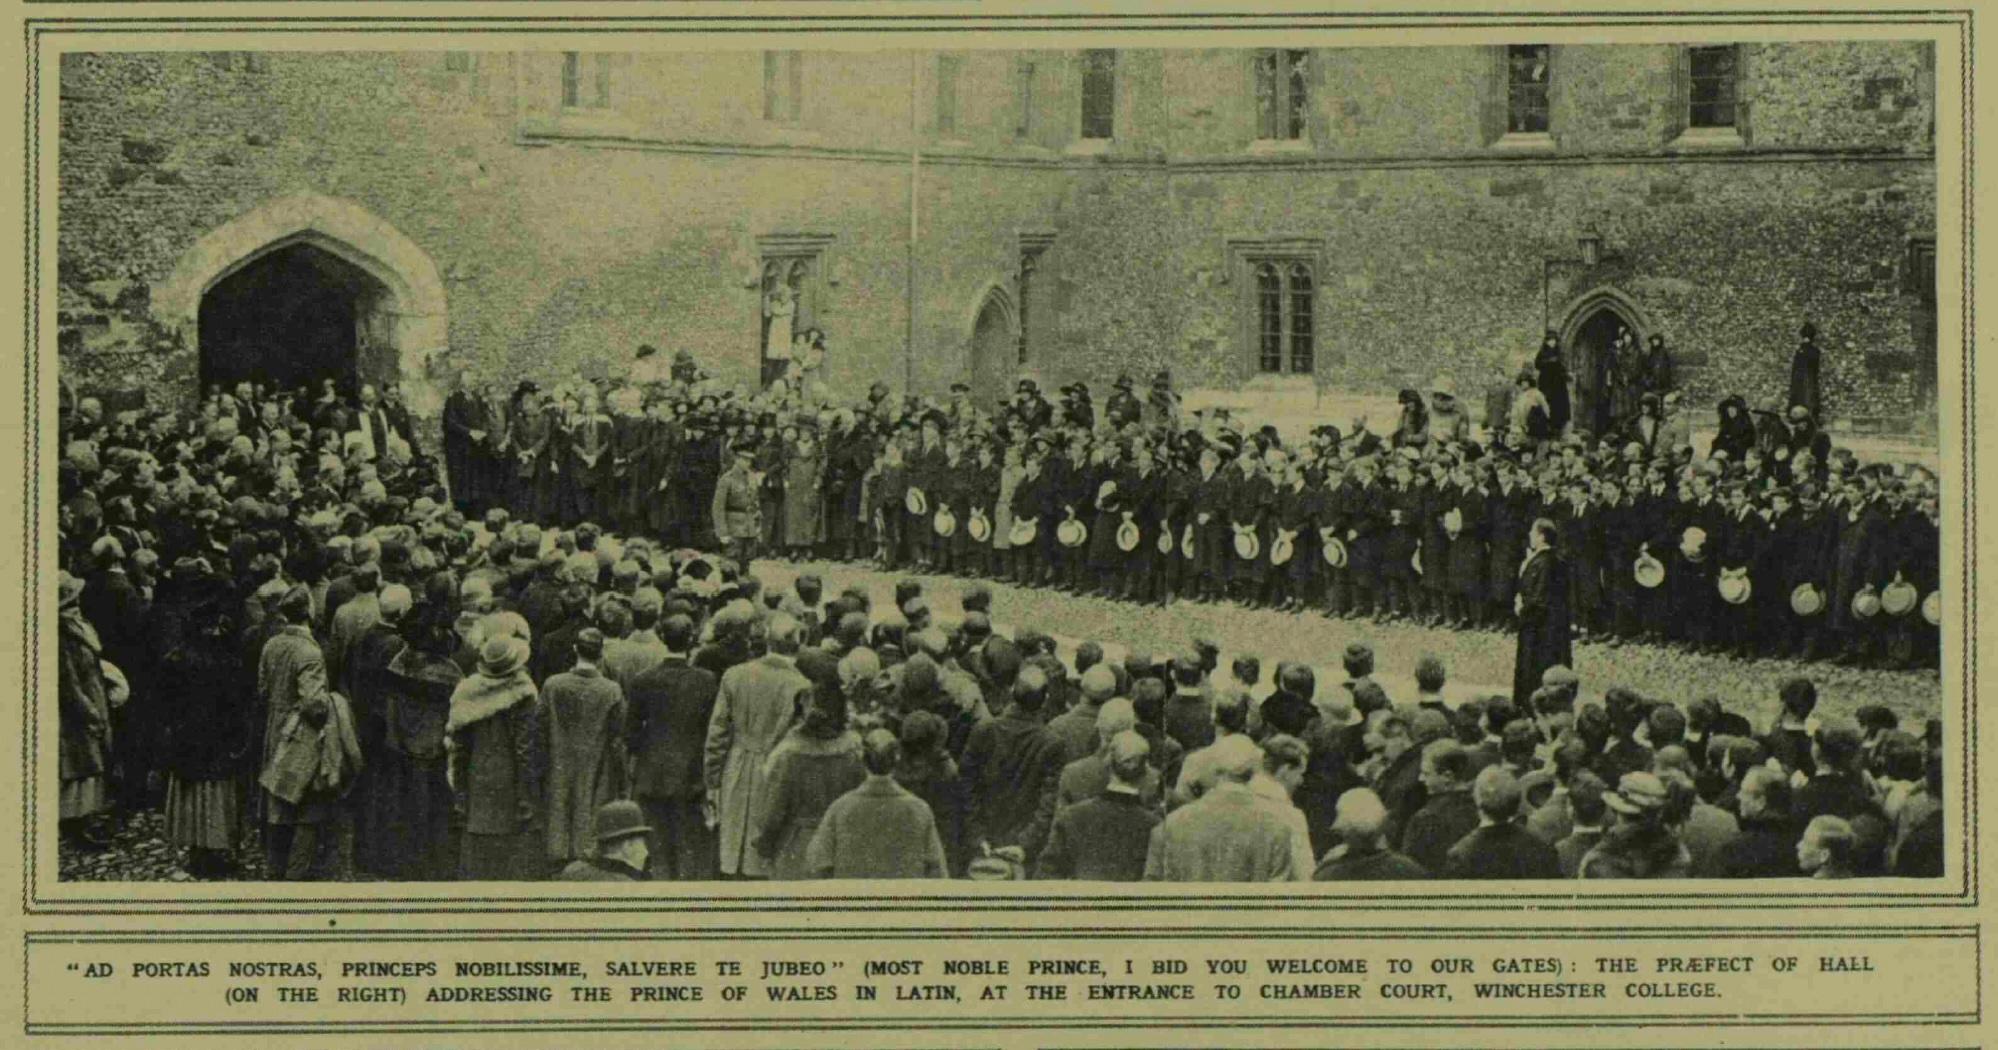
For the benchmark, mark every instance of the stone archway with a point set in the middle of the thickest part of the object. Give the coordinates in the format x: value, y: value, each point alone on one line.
x: 403, y: 319
x: 1592, y: 321
x: 993, y: 336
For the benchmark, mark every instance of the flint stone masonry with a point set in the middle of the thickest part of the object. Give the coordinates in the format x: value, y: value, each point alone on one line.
x: 524, y: 239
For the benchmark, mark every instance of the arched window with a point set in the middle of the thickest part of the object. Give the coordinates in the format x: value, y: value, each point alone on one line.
x: 1285, y: 315
x: 1300, y: 333
x: 1269, y: 317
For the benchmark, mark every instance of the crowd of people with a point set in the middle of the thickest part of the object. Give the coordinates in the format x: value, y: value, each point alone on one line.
x: 1772, y: 543
x: 282, y: 623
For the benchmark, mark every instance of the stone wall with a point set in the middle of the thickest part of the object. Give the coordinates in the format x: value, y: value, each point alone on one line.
x: 563, y: 237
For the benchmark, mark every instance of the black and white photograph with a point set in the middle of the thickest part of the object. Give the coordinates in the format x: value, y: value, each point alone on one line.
x: 1268, y: 458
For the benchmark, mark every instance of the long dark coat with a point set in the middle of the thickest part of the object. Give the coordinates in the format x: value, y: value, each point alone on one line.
x: 205, y: 695
x: 1806, y: 378
x: 464, y: 412
x: 1552, y: 372
x: 1545, y: 637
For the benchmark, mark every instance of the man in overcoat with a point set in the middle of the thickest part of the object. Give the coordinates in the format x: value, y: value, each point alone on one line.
x: 757, y: 703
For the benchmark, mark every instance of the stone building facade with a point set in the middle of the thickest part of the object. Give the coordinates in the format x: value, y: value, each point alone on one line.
x: 1353, y: 220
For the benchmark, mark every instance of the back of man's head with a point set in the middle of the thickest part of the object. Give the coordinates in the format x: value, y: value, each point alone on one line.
x: 784, y: 634
x: 677, y: 632
x: 1116, y: 716
x: 1236, y: 758
x: 1359, y: 817
x: 1496, y: 791
x: 1299, y: 680
x: 1585, y: 799
x: 1231, y: 711
x: 1030, y: 689
x: 1087, y: 655
x: 1148, y: 699
x: 1099, y: 683
x: 880, y: 751
x: 1128, y: 756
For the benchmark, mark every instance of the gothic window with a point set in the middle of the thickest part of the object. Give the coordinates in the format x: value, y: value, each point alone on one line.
x: 948, y: 68
x: 1285, y: 332
x: 1527, y: 75
x: 586, y: 80
x: 1099, y: 94
x: 1023, y: 96
x: 1712, y: 80
x: 783, y: 86
x: 1281, y: 96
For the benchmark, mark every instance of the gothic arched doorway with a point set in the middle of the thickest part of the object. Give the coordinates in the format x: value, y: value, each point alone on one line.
x: 293, y: 317
x: 995, y: 349
x: 1594, y: 325
x: 307, y: 286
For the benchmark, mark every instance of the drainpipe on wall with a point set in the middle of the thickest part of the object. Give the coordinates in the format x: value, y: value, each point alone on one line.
x: 915, y: 181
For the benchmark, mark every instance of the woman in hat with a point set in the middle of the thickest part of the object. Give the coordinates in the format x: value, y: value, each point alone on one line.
x: 206, y: 697
x: 803, y: 502
x: 818, y: 761
x: 497, y: 763
x: 1640, y: 842
x: 84, y: 718
x: 411, y: 769
x: 1805, y: 367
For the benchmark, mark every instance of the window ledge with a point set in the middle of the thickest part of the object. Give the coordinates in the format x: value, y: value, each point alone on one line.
x: 1525, y: 142
x: 793, y: 134
x: 1267, y: 146
x: 591, y: 123
x: 1709, y: 139
x: 1088, y: 147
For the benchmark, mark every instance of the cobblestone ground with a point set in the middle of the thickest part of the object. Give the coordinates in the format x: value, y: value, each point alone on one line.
x: 1479, y: 662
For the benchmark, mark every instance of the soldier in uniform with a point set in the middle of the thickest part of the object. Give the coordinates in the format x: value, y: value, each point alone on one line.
x: 737, y: 509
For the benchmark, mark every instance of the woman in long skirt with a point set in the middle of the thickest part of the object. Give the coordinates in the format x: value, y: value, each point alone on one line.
x: 412, y: 774
x: 208, y: 703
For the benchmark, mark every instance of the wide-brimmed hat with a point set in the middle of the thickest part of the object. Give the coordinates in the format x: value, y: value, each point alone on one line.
x: 1022, y: 532
x: 1806, y: 600
x: 945, y: 523
x: 1899, y: 598
x: 619, y: 819
x: 1648, y: 571
x: 1637, y: 793
x: 1335, y: 553
x: 502, y: 656
x: 1866, y: 604
x: 1072, y: 533
x: 1128, y: 536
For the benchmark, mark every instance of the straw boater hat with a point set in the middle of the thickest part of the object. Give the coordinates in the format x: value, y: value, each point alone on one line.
x: 1072, y: 533
x: 1165, y: 541
x: 1335, y: 552
x: 1282, y: 549
x: 1127, y: 536
x: 1248, y: 546
x: 945, y: 523
x: 1806, y: 600
x: 1899, y: 598
x: 1186, y: 541
x: 978, y: 528
x: 1022, y: 532
x: 1932, y: 608
x: 1649, y: 571
x: 1866, y: 604
x: 915, y: 501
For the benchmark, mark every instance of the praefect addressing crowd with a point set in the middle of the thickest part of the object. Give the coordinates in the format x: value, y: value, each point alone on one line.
x: 290, y: 630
